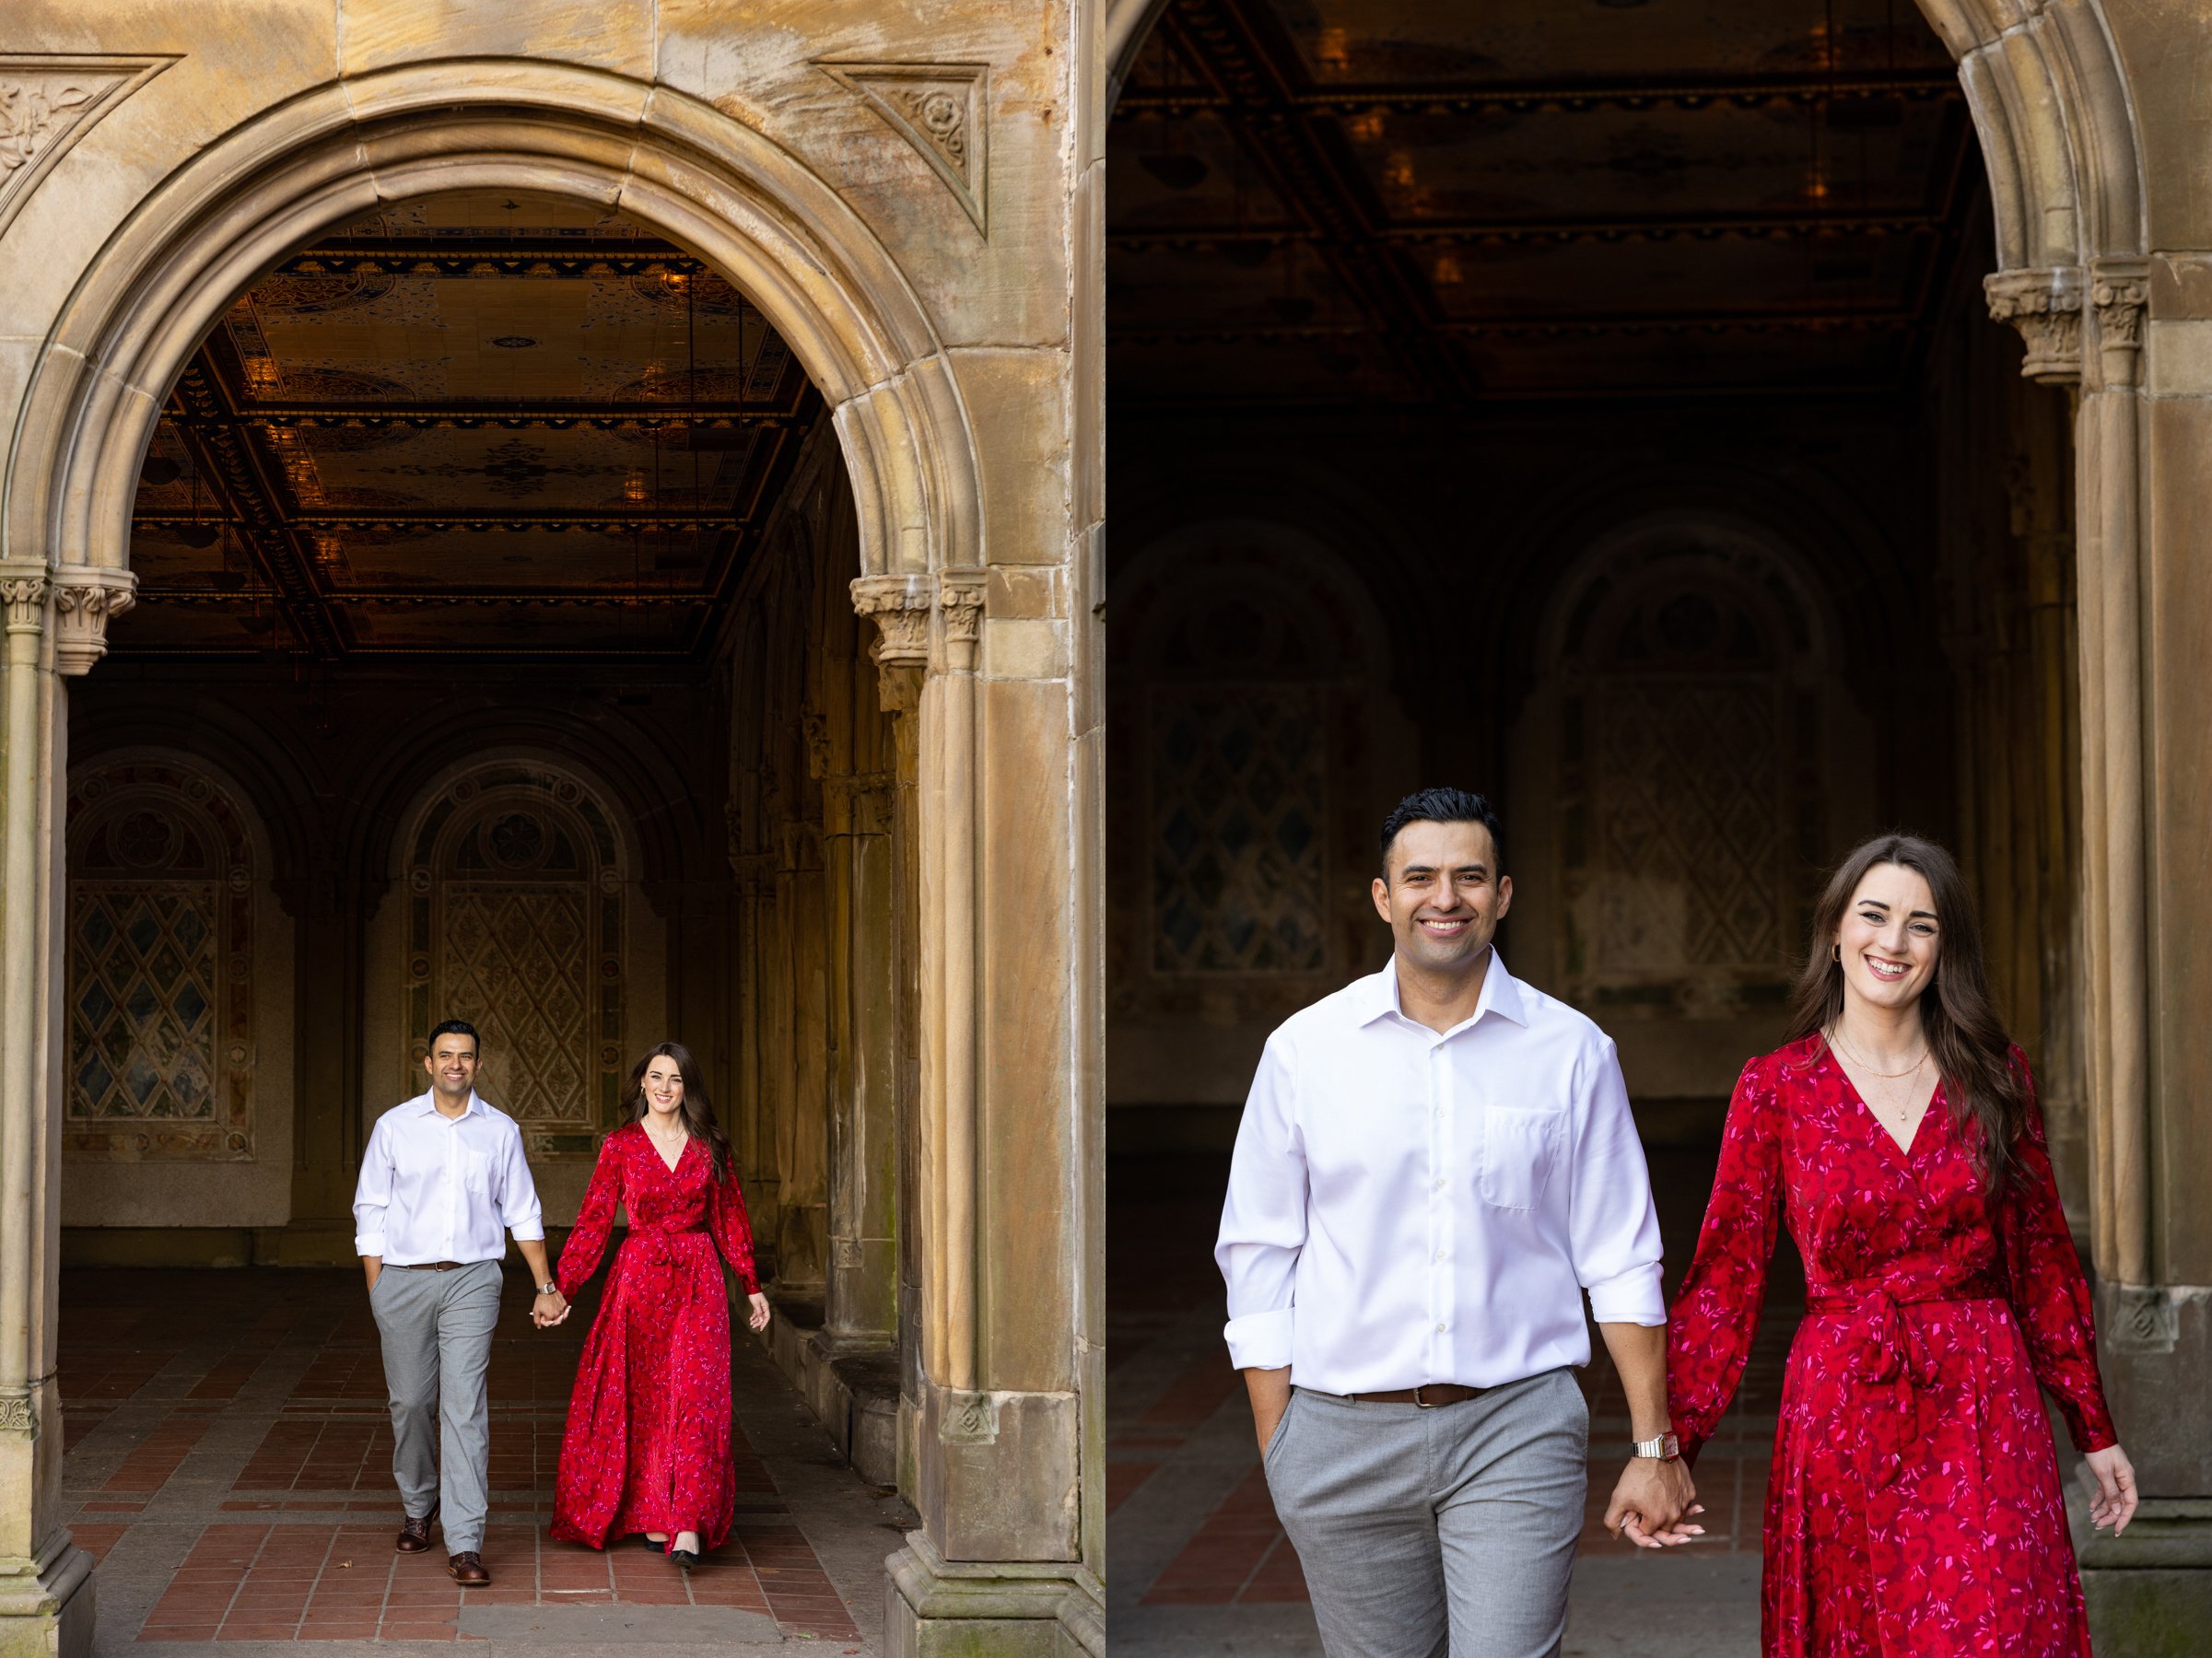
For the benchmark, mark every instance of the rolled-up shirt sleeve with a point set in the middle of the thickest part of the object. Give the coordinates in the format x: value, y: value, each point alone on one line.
x: 373, y: 1193
x: 1613, y: 1228
x: 1263, y: 1220
x: 519, y: 1207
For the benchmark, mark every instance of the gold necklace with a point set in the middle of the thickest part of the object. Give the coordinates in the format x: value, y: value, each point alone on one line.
x: 1836, y: 1042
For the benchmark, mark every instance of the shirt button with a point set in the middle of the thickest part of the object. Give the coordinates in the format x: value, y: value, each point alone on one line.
x: 1439, y: 1329
x: 1440, y: 1185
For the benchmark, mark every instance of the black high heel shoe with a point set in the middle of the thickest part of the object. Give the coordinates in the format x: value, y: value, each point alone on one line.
x: 660, y: 1547
x: 683, y: 1558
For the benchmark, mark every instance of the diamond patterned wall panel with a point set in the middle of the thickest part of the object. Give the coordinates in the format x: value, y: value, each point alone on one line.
x: 1238, y: 801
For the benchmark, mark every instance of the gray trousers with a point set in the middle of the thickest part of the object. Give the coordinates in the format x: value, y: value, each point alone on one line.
x: 1429, y: 1533
x: 437, y: 1333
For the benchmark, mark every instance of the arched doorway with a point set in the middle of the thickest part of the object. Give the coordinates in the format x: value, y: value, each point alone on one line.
x: 984, y: 1409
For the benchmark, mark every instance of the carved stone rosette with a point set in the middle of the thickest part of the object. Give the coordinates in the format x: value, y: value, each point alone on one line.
x: 2045, y: 306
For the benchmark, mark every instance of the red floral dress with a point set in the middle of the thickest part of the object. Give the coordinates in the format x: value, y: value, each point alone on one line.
x: 1912, y: 1503
x: 647, y: 1445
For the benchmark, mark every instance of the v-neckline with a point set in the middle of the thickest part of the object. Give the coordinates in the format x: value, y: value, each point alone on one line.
x: 1904, y: 1148
x: 681, y: 1150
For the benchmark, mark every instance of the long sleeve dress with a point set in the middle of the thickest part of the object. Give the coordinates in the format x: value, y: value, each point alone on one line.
x: 647, y: 1444
x: 1912, y: 1503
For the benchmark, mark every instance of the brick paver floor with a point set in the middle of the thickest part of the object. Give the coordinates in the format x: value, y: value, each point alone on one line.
x: 229, y: 1461
x: 1201, y: 1562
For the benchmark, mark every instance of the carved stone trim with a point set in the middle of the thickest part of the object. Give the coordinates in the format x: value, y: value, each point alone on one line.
x: 2121, y: 302
x: 24, y: 597
x: 941, y: 109
x: 48, y: 102
x: 2045, y: 306
x: 899, y: 606
x: 84, y: 601
x: 960, y: 602
x: 857, y: 803
x: 17, y: 1417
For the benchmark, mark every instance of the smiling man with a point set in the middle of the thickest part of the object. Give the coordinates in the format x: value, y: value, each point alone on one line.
x: 1434, y: 1165
x: 441, y: 1176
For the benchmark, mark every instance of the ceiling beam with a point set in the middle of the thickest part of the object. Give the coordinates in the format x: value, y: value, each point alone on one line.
x: 548, y: 257
x: 604, y: 523
x: 1521, y: 98
x: 1752, y: 226
x: 1533, y: 327
x: 173, y: 593
x: 462, y: 412
x: 248, y: 497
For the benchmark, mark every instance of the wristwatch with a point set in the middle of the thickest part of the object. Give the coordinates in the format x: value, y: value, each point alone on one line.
x: 549, y: 1289
x: 1666, y: 1447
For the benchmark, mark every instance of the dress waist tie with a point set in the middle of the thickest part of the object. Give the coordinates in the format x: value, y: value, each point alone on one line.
x: 1892, y: 1351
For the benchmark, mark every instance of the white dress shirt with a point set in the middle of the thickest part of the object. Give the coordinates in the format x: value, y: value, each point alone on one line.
x: 1407, y: 1207
x: 439, y: 1189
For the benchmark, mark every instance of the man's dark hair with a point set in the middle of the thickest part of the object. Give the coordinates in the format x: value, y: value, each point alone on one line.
x: 1442, y: 806
x: 457, y: 1027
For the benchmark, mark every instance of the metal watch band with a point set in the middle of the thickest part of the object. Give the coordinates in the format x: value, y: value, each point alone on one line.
x: 1666, y: 1446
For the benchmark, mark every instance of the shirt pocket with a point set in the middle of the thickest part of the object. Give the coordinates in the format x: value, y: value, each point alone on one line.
x: 476, y: 1173
x: 1518, y: 1149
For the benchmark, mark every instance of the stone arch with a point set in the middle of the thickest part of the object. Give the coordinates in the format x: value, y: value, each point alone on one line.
x: 1667, y: 769
x: 515, y: 870
x: 750, y: 208
x: 1253, y: 681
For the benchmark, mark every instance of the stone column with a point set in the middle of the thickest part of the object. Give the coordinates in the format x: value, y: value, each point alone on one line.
x: 56, y: 624
x: 862, y: 1305
x: 2143, y: 418
x: 995, y: 1432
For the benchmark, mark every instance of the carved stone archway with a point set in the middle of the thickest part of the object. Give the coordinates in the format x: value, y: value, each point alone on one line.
x: 997, y: 1439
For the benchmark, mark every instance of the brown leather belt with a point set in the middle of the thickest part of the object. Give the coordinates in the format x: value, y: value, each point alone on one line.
x: 432, y: 1266
x: 1428, y: 1396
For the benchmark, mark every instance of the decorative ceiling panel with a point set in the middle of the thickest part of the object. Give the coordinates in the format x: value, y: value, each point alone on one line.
x: 1420, y: 199
x: 482, y: 421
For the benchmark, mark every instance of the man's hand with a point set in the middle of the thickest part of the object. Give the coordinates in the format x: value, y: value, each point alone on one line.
x: 373, y: 1266
x: 1271, y: 1391
x: 1653, y: 1502
x: 549, y: 1309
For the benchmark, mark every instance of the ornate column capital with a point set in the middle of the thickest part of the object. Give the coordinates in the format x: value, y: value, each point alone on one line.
x: 856, y: 803
x: 84, y: 599
x: 2120, y: 289
x: 23, y: 591
x: 960, y: 603
x: 899, y: 606
x: 2045, y: 306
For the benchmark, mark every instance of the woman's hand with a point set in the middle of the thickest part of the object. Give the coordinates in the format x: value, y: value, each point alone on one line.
x: 2113, y: 1501
x: 759, y: 1318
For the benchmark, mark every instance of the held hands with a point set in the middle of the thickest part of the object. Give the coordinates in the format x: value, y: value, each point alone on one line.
x: 2112, y: 1502
x: 1653, y: 1501
x: 759, y: 1318
x: 549, y: 1309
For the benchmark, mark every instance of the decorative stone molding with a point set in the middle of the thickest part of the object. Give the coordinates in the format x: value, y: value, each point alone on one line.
x: 24, y: 597
x: 960, y: 603
x: 856, y: 803
x: 83, y: 602
x: 929, y: 1590
x: 2120, y: 289
x: 814, y: 729
x: 2045, y: 306
x: 899, y: 606
x: 17, y: 1417
x: 2147, y: 1321
x: 941, y: 110
x: 47, y: 103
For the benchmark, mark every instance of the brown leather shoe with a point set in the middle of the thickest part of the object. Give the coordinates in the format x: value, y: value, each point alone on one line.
x: 414, y: 1535
x: 467, y: 1569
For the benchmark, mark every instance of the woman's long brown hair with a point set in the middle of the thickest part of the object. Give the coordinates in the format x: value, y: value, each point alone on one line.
x: 697, y: 1110
x: 1972, y: 1051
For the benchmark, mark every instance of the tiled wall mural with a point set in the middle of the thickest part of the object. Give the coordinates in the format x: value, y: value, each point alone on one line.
x: 161, y: 968
x: 515, y: 896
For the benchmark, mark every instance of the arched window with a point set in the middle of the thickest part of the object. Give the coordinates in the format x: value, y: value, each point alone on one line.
x: 514, y: 884
x: 160, y: 967
x: 1689, y: 812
